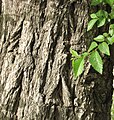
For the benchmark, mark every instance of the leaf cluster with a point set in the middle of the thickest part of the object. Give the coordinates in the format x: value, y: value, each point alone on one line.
x: 100, y: 44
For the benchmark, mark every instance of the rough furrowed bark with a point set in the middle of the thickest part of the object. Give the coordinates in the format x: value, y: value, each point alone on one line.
x: 36, y: 81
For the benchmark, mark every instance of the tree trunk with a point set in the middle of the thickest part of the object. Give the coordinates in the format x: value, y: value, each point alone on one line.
x: 36, y: 80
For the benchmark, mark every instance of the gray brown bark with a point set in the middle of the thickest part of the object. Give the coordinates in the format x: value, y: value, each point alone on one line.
x: 36, y: 81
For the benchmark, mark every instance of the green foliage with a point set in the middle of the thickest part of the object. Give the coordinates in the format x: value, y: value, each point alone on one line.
x: 110, y: 40
x: 92, y: 46
x: 102, y: 17
x: 105, y: 34
x: 96, y: 61
x: 93, y: 16
x: 99, y: 38
x: 111, y: 30
x: 99, y: 18
x: 112, y: 13
x: 78, y: 66
x: 104, y: 48
x: 100, y: 43
x: 110, y: 2
x: 91, y: 23
x: 96, y: 2
x: 74, y: 53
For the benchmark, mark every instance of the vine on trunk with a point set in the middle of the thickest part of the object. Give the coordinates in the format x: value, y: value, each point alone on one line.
x: 100, y: 44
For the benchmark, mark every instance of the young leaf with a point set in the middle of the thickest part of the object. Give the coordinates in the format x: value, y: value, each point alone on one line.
x: 92, y: 46
x: 111, y: 29
x: 91, y: 24
x: 93, y: 15
x: 104, y: 48
x: 112, y: 14
x: 99, y: 38
x: 110, y: 40
x: 110, y: 2
x: 96, y: 61
x: 102, y: 14
x: 74, y: 53
x: 78, y: 66
x: 112, y: 26
x: 111, y: 32
x: 96, y: 2
x: 101, y: 22
x: 85, y: 54
x: 105, y: 34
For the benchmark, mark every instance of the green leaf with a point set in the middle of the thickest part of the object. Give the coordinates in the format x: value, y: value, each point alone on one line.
x: 96, y: 61
x: 102, y: 14
x: 104, y: 48
x: 112, y: 14
x: 91, y: 24
x: 74, y: 53
x: 101, y: 22
x: 112, y: 26
x: 85, y: 54
x: 93, y: 15
x: 78, y: 66
x: 111, y: 32
x: 110, y: 40
x: 96, y: 2
x: 105, y: 34
x: 99, y: 38
x: 111, y: 29
x: 92, y: 46
x: 110, y: 2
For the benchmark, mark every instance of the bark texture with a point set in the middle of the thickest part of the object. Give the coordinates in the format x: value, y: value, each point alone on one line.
x: 36, y: 81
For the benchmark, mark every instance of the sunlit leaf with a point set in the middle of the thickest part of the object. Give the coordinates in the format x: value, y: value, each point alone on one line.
x: 93, y: 15
x: 96, y: 61
x: 104, y: 48
x: 101, y: 22
x: 110, y: 2
x: 110, y: 40
x: 78, y: 66
x: 99, y: 38
x: 96, y: 2
x: 91, y: 24
x: 74, y: 53
x: 92, y: 46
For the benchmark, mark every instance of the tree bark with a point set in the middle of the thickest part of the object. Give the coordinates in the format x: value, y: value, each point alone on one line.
x: 36, y: 80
